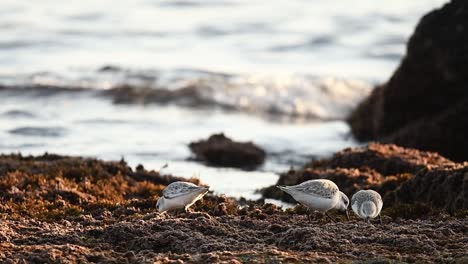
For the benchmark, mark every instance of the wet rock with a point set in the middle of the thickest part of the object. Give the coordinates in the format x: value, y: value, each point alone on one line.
x: 219, y: 150
x: 130, y: 94
x: 425, y: 103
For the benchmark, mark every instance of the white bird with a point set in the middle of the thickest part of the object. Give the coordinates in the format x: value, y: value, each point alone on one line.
x: 367, y: 204
x: 178, y: 195
x: 319, y: 195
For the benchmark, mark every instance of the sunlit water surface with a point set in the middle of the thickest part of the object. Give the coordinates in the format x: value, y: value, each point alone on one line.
x: 289, y: 72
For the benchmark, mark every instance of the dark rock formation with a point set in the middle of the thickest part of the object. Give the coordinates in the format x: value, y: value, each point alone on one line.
x: 425, y: 103
x: 400, y: 175
x: 218, y: 150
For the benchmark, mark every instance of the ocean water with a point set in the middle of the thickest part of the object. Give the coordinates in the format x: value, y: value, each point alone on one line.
x: 284, y: 74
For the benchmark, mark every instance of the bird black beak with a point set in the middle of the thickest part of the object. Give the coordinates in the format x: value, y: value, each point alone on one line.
x: 347, y: 214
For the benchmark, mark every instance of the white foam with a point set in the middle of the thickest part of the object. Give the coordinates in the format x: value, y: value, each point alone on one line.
x: 291, y: 95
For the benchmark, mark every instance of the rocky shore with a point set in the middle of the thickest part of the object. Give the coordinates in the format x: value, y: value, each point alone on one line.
x: 54, y: 209
x: 62, y: 209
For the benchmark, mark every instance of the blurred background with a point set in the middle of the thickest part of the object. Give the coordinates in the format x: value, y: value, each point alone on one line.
x: 141, y: 79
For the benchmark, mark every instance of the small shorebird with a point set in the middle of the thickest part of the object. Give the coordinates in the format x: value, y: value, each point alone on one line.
x: 319, y: 195
x: 367, y: 204
x: 178, y: 195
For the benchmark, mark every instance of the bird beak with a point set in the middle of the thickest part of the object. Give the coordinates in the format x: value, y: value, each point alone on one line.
x: 347, y: 214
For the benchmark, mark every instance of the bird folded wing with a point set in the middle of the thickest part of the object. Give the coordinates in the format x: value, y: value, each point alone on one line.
x: 179, y: 190
x: 317, y: 189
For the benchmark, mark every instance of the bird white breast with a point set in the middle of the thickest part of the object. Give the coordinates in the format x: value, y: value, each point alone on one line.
x: 316, y: 203
x: 357, y: 209
x: 183, y: 201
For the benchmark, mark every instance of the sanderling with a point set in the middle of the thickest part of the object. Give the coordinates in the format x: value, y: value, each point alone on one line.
x: 367, y: 204
x: 319, y: 195
x: 179, y: 195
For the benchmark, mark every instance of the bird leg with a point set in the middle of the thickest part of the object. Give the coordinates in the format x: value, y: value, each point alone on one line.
x: 188, y: 211
x: 180, y: 212
x: 308, y: 215
x: 333, y: 220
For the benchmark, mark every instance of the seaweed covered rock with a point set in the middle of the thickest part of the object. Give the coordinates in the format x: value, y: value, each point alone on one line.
x: 399, y: 174
x: 424, y: 105
x: 54, y: 188
x: 445, y: 187
x: 386, y: 159
x: 219, y: 150
x: 51, y: 187
x: 58, y: 209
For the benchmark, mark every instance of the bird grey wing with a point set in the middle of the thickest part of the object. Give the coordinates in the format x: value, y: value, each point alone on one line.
x: 360, y: 197
x: 179, y: 190
x: 356, y: 196
x: 373, y: 196
x: 317, y: 189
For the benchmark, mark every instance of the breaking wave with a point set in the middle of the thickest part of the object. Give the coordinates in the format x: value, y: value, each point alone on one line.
x: 304, y: 96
